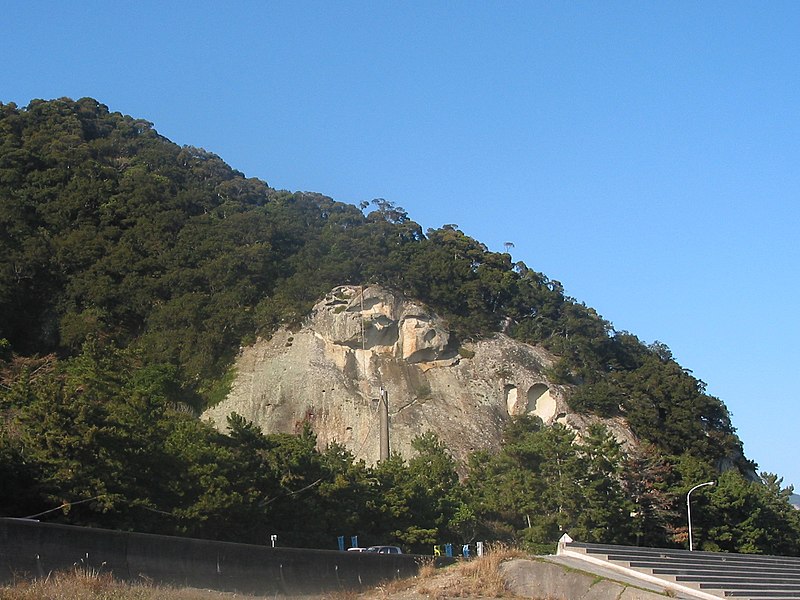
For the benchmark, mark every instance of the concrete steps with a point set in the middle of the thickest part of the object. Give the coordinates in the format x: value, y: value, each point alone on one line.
x: 706, y: 575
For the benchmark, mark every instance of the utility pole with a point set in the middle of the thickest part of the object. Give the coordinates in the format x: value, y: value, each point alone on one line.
x: 384, y: 409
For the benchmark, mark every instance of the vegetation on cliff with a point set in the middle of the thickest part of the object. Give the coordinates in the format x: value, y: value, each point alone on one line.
x: 131, y: 270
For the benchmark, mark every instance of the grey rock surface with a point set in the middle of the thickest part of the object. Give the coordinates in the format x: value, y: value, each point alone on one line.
x: 358, y: 339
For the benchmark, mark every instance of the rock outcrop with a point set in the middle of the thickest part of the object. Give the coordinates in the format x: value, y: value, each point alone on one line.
x: 355, y: 341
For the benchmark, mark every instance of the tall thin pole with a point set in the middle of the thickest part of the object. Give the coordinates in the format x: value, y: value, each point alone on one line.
x: 384, y: 408
x: 689, y: 509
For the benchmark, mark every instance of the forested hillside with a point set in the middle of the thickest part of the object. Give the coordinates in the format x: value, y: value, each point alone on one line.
x: 131, y: 270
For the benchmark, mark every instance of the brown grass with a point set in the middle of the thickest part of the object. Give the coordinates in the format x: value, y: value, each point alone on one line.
x: 476, y: 578
x: 82, y: 584
x: 342, y: 595
x: 73, y: 585
x: 483, y: 575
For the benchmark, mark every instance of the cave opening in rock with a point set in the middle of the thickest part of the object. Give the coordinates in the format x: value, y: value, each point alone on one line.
x: 540, y: 402
x: 510, y: 393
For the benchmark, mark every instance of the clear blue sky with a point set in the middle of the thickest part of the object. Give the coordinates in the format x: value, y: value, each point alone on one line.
x: 645, y: 154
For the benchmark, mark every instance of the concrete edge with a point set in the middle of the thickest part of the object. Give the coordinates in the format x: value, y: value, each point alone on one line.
x: 670, y: 585
x: 540, y: 577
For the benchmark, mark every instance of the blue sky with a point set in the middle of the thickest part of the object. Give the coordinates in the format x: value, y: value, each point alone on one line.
x: 645, y: 154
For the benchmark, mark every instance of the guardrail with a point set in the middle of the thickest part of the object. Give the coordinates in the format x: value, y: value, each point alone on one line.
x: 33, y: 549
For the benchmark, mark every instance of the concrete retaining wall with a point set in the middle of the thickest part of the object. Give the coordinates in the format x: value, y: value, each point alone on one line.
x: 31, y: 549
x: 537, y: 579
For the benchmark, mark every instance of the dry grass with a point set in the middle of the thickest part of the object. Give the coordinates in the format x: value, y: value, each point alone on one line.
x: 74, y: 585
x: 483, y: 575
x: 342, y: 595
x: 478, y: 578
x: 83, y: 584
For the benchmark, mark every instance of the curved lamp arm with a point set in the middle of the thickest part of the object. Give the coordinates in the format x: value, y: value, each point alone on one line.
x: 689, y: 509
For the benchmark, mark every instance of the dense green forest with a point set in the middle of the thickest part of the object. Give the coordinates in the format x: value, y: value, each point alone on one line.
x: 131, y: 271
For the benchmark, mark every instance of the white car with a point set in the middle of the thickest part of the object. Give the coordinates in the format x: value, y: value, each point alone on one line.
x: 385, y: 549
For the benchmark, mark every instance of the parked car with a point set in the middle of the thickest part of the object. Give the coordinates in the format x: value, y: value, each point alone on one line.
x: 356, y: 549
x: 385, y: 549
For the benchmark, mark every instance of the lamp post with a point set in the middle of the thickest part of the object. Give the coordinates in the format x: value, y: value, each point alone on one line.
x: 384, y: 437
x: 689, y: 509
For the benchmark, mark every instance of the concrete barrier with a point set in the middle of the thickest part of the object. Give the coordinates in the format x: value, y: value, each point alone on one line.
x: 706, y: 575
x: 539, y: 579
x: 31, y: 549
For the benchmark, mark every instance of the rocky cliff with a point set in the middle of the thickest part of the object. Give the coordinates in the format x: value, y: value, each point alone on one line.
x: 357, y: 340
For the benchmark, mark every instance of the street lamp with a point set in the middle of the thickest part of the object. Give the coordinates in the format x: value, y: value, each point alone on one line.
x: 689, y: 509
x: 383, y: 409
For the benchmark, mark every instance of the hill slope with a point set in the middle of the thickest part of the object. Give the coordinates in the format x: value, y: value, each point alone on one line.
x: 112, y: 232
x: 131, y: 272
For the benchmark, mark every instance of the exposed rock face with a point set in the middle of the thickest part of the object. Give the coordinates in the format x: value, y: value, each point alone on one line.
x: 358, y: 340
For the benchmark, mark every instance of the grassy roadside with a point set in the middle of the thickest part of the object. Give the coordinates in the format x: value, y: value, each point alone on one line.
x: 82, y: 585
x: 477, y: 578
